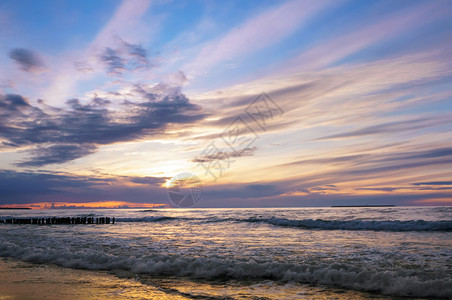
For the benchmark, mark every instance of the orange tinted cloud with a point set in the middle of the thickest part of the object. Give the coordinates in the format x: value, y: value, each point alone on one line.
x: 94, y: 205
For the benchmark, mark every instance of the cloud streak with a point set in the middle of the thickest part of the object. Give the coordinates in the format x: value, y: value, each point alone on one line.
x: 225, y: 155
x: 266, y: 29
x: 345, y: 44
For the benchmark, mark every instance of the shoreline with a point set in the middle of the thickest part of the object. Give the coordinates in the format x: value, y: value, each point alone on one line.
x: 23, y: 280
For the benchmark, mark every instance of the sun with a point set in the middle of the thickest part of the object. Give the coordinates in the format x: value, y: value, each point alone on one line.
x: 169, y: 183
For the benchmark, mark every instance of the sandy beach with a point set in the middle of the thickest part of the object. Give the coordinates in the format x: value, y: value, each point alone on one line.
x: 20, y: 280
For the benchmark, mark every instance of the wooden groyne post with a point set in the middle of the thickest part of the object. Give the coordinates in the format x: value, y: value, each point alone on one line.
x: 61, y: 220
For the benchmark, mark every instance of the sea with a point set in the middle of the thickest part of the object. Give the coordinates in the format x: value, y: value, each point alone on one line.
x: 256, y: 253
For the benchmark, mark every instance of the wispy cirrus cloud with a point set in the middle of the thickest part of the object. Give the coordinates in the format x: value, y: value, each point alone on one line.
x: 395, y: 126
x: 388, y: 27
x: 124, y: 22
x: 268, y: 28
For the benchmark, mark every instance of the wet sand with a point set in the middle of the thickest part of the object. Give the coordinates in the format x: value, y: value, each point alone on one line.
x: 19, y: 280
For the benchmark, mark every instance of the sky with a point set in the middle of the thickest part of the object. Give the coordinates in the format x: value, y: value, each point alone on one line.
x: 266, y: 103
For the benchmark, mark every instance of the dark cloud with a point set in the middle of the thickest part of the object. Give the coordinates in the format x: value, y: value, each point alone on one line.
x: 11, y: 103
x: 149, y: 180
x: 224, y: 155
x: 434, y: 183
x: 382, y: 189
x: 138, y: 57
x: 29, y: 187
x: 61, y: 135
x: 23, y: 185
x: 28, y: 60
x: 56, y: 154
x: 433, y: 153
x: 114, y: 63
x: 327, y: 187
x: 258, y: 187
x: 124, y: 57
x: 430, y: 188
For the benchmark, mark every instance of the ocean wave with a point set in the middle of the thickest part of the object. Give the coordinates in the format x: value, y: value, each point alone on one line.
x: 314, y: 224
x: 341, y: 274
x: 148, y: 219
x: 412, y: 225
x: 319, y: 224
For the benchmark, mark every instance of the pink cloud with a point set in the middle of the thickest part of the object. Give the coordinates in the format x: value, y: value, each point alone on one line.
x: 262, y: 31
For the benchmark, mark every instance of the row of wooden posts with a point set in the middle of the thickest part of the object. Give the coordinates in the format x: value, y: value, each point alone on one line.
x: 64, y: 220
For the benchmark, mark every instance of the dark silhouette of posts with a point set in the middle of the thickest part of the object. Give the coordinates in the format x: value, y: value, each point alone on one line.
x: 58, y: 221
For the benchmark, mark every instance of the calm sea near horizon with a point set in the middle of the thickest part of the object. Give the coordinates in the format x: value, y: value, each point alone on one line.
x: 255, y: 253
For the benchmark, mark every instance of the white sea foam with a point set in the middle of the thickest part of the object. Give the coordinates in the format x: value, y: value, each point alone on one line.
x: 380, y: 225
x: 345, y: 275
x: 396, y: 225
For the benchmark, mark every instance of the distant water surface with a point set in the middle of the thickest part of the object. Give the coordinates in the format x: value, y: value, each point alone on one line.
x: 272, y: 253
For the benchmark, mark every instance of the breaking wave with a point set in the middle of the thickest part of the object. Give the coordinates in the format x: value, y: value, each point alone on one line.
x: 319, y: 224
x: 412, y: 225
x: 340, y: 274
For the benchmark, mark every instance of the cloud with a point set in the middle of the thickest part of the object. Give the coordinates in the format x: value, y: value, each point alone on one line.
x: 350, y: 93
x: 240, y: 191
x: 381, y: 189
x: 353, y: 171
x: 264, y: 30
x: 115, y: 64
x: 332, y: 160
x: 61, y: 135
x: 124, y: 22
x: 12, y: 103
x: 397, y: 126
x: 83, y: 67
x: 148, y: 180
x: 388, y: 27
x: 124, y: 57
x: 224, y: 155
x: 138, y: 56
x: 434, y: 183
x: 327, y: 187
x: 30, y: 187
x: 28, y: 60
x: 56, y: 154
